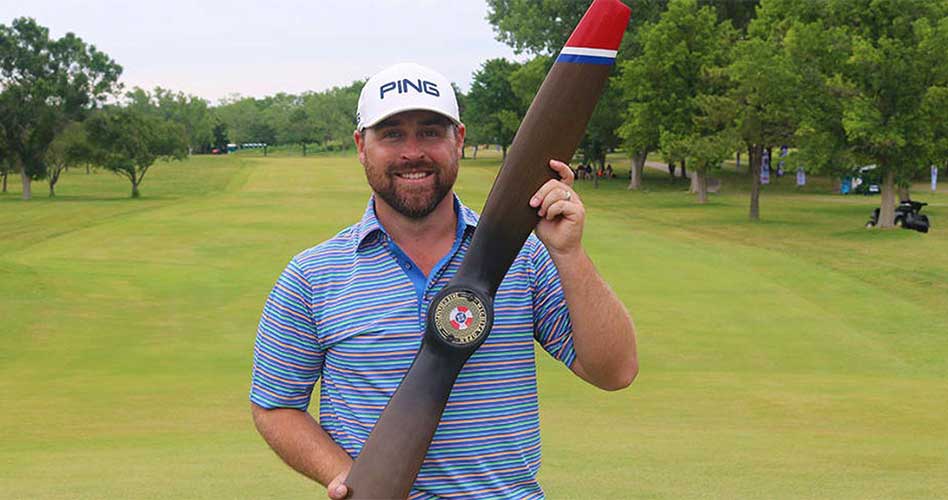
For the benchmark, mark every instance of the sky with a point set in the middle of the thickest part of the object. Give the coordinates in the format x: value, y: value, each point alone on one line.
x: 214, y: 49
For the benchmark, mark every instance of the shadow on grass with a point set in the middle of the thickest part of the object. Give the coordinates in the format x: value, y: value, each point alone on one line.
x: 876, y: 234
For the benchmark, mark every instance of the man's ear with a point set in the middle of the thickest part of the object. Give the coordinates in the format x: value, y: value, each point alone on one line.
x: 360, y: 145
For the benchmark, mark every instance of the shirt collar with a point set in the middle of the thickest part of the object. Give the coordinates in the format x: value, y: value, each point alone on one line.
x: 370, y: 225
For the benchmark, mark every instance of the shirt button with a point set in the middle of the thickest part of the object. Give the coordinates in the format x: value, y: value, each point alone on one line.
x: 407, y: 265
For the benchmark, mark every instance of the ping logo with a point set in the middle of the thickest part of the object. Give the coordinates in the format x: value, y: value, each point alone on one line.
x: 405, y: 85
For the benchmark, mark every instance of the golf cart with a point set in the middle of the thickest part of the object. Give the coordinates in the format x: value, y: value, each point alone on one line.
x: 907, y: 216
x: 866, y: 180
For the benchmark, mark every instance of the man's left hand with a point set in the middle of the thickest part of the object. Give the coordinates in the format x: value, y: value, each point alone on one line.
x: 561, y: 212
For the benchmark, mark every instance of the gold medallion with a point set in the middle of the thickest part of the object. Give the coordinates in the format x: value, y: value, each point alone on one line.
x: 460, y: 318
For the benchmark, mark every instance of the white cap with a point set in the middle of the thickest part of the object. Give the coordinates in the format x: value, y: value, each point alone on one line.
x: 404, y: 87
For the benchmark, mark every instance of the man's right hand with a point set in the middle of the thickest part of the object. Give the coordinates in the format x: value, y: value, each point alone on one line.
x: 303, y: 444
x: 337, y: 489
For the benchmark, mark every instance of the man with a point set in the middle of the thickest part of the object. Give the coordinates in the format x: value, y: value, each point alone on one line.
x: 350, y: 312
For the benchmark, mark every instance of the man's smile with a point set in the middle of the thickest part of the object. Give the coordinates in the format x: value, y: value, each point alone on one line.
x: 413, y: 175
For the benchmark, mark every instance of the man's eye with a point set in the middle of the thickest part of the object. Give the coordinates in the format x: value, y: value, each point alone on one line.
x: 431, y: 133
x: 391, y: 134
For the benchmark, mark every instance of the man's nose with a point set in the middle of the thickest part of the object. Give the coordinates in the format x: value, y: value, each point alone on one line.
x: 412, y: 149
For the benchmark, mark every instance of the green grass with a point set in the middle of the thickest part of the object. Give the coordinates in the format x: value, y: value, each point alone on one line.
x: 802, y: 356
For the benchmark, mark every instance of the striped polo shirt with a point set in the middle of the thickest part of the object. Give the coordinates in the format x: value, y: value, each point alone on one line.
x: 350, y: 312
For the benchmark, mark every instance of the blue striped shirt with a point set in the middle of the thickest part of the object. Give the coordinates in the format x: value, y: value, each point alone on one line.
x: 351, y: 311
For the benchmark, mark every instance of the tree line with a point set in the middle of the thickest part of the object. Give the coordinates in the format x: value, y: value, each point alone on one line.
x: 841, y: 83
x: 62, y: 106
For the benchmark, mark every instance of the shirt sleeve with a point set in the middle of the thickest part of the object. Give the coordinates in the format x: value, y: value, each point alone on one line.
x: 553, y: 327
x: 287, y: 358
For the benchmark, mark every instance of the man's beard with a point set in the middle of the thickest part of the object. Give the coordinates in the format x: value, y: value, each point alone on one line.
x: 414, y: 202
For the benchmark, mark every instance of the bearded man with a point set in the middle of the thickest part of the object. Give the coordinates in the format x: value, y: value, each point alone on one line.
x: 350, y: 311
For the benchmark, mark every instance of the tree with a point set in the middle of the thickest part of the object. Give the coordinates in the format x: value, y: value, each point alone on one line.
x: 239, y: 115
x: 44, y: 85
x: 641, y: 126
x: 526, y: 78
x: 897, y: 58
x: 738, y: 12
x: 936, y: 102
x: 765, y: 91
x: 69, y: 149
x: 250, y: 120
x: 474, y: 135
x: 6, y: 165
x: 263, y: 133
x: 654, y: 93
x: 334, y: 113
x: 712, y: 140
x: 543, y: 26
x: 703, y: 47
x: 326, y: 118
x: 813, y: 50
x: 128, y: 141
x: 191, y: 112
x: 274, y: 112
x: 601, y: 136
x: 221, y: 139
x: 228, y: 116
x: 662, y: 85
x: 493, y: 107
x: 462, y: 108
x: 300, y: 128
x: 890, y: 69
